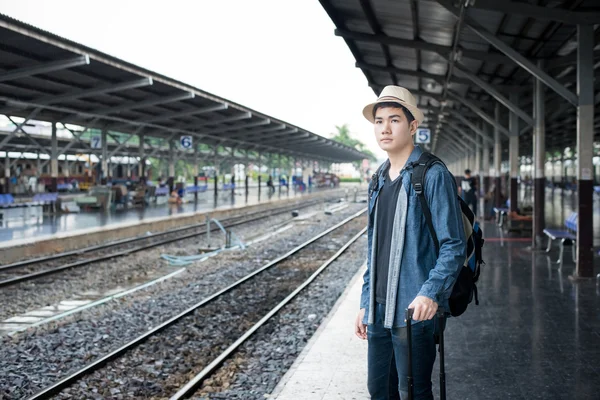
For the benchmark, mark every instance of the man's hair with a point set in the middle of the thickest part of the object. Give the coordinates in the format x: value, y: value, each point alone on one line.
x: 387, y: 104
x: 467, y: 172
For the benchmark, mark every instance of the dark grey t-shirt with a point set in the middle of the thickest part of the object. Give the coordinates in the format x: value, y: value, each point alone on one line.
x: 386, y: 209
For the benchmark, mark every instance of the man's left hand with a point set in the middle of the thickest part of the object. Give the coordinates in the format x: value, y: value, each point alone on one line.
x: 424, y: 308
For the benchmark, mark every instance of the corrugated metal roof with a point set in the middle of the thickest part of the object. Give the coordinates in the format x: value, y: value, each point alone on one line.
x: 71, y: 83
x: 406, y: 38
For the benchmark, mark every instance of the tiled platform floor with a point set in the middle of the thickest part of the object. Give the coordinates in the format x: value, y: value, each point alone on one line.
x: 535, y: 335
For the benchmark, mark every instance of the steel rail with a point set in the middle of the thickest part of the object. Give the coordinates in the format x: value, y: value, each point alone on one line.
x: 191, y: 386
x: 68, y: 381
x: 34, y: 275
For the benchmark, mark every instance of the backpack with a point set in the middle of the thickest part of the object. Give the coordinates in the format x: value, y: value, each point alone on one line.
x: 464, y: 288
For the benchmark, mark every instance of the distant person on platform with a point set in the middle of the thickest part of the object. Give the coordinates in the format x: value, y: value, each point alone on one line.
x: 403, y: 268
x: 270, y: 184
x: 468, y: 190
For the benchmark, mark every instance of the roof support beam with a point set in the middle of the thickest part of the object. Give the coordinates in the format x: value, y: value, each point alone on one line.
x: 482, y: 114
x: 514, y: 55
x: 186, y: 113
x: 236, y: 127
x: 44, y: 68
x: 103, y: 89
x: 420, y: 45
x: 496, y: 94
x: 417, y: 74
x: 473, y: 127
x: 239, y: 117
x: 435, y: 96
x: 256, y: 133
x: 542, y: 13
x: 143, y: 104
x: 460, y: 131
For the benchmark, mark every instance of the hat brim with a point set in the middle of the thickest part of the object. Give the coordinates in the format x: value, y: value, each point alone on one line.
x: 416, y: 113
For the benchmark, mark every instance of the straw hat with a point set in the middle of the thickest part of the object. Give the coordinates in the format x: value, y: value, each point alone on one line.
x: 399, y: 95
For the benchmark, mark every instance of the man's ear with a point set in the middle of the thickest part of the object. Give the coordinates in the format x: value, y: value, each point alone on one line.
x: 413, y: 127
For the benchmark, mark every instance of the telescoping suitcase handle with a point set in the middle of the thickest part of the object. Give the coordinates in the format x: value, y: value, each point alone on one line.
x: 441, y: 315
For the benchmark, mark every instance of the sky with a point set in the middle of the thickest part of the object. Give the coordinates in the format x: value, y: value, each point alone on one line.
x: 278, y: 57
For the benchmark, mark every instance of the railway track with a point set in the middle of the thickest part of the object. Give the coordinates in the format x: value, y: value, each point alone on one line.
x: 255, y: 297
x: 26, y: 270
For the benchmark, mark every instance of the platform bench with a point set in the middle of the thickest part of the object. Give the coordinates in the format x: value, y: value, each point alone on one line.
x: 567, y: 237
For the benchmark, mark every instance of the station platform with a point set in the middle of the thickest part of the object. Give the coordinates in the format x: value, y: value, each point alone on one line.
x: 33, y: 224
x: 534, y: 335
x: 33, y: 235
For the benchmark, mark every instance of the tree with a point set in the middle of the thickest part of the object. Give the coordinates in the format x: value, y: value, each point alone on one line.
x: 343, y: 136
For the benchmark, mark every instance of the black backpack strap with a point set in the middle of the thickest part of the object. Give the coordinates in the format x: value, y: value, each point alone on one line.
x: 420, y: 167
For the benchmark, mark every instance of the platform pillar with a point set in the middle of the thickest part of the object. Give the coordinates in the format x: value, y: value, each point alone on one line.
x: 585, y: 151
x: 497, y: 159
x: 142, y: 156
x: 54, y: 160
x: 104, y: 158
x: 539, y: 154
x: 6, y: 173
x: 513, y: 154
x: 485, y: 173
x: 477, y: 167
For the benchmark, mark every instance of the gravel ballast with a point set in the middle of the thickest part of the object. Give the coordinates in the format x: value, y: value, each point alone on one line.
x: 35, y: 359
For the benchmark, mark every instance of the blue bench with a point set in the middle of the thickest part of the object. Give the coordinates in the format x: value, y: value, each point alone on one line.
x: 228, y: 186
x: 7, y: 201
x: 567, y: 237
x: 161, y: 191
x: 196, y: 189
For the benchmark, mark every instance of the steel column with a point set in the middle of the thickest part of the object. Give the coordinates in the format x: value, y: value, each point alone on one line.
x: 104, y: 165
x: 513, y: 154
x: 485, y: 171
x: 142, y: 162
x: 6, y: 173
x: 497, y: 158
x: 585, y: 146
x: 54, y: 160
x: 539, y: 153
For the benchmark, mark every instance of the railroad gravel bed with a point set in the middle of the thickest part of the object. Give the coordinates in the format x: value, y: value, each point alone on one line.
x: 259, y: 364
x: 71, y: 343
x: 124, y: 271
x: 167, y: 360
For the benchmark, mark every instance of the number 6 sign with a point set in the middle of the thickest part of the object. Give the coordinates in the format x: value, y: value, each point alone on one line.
x: 423, y: 136
x: 186, y: 142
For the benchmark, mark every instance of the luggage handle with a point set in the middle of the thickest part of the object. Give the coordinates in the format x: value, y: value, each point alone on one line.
x: 441, y: 314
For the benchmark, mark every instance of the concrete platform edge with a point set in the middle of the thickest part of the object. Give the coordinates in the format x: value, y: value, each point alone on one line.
x: 11, y: 251
x: 290, y: 372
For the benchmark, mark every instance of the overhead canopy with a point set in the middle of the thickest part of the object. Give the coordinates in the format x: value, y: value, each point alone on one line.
x: 446, y: 53
x: 48, y: 78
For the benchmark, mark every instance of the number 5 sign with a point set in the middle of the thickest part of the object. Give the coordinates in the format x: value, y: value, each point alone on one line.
x: 186, y: 142
x: 423, y: 135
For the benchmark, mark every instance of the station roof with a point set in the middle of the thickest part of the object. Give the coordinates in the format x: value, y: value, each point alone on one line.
x: 442, y: 50
x: 49, y: 78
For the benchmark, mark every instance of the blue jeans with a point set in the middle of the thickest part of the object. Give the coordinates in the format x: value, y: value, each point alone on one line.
x: 388, y: 345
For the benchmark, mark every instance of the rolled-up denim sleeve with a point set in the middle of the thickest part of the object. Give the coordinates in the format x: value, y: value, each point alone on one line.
x: 364, y: 295
x: 441, y: 194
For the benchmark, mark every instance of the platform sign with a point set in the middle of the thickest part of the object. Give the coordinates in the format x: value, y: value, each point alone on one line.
x: 186, y: 142
x: 96, y: 142
x: 423, y: 136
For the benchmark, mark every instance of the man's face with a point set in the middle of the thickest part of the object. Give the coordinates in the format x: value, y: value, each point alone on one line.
x: 392, y: 130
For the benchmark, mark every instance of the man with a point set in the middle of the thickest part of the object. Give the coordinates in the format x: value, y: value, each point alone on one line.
x: 403, y: 268
x: 468, y: 189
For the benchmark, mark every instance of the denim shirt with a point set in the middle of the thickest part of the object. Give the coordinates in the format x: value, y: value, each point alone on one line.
x: 415, y: 269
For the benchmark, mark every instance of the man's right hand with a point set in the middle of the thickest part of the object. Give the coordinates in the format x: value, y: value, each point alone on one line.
x: 360, y: 329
